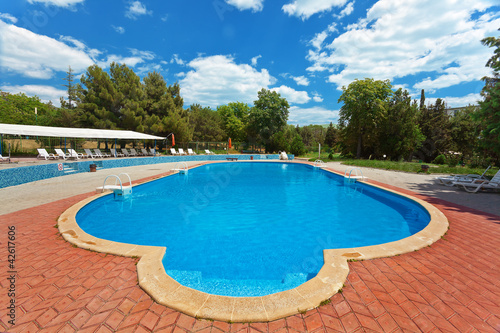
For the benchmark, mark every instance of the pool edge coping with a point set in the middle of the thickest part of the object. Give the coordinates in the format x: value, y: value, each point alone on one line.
x: 163, y: 289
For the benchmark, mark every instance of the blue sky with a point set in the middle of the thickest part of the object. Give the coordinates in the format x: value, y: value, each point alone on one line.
x: 222, y: 51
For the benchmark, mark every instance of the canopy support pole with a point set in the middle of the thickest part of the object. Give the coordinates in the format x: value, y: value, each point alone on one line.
x: 1, y: 143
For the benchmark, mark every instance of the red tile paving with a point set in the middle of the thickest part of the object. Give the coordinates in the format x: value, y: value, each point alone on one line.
x: 450, y: 286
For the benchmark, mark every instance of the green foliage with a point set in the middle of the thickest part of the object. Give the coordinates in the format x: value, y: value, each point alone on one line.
x: 234, y: 117
x: 207, y: 124
x: 331, y: 136
x: 362, y: 113
x: 435, y: 125
x: 489, y: 112
x: 297, y: 147
x: 465, y: 132
x: 268, y: 116
x: 20, y: 109
x: 440, y: 159
x: 400, y: 134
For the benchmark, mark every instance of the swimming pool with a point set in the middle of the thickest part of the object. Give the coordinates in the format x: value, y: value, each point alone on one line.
x: 252, y: 229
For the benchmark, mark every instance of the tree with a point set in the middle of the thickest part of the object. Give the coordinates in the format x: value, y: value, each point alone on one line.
x: 489, y: 111
x: 400, y: 135
x: 207, y: 124
x: 268, y: 116
x: 362, y: 113
x: 465, y: 131
x: 71, y: 89
x: 331, y: 136
x: 234, y: 117
x: 435, y: 125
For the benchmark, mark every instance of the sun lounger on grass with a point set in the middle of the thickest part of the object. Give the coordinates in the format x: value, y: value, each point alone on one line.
x: 480, y: 184
x: 449, y: 180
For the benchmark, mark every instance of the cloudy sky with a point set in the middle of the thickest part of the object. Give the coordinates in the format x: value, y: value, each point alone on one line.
x: 222, y: 51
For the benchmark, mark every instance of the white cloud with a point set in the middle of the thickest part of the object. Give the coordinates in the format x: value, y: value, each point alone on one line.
x: 255, y: 59
x: 254, y: 5
x: 58, y: 3
x: 314, y: 115
x: 397, y: 40
x: 217, y: 80
x: 177, y: 60
x: 453, y: 102
x: 306, y: 8
x: 317, y: 97
x: 301, y: 80
x: 120, y: 30
x: 38, y: 56
x: 347, y: 10
x: 320, y: 37
x: 292, y: 96
x: 8, y: 17
x: 45, y: 93
x: 137, y: 9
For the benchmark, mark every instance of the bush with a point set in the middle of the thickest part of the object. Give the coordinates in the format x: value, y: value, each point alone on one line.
x: 440, y: 159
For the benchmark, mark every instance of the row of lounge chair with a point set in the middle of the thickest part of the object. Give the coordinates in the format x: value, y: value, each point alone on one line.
x: 189, y: 152
x: 72, y: 154
x: 471, y: 183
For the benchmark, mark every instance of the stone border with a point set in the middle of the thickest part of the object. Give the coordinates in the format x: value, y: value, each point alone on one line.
x: 330, y: 279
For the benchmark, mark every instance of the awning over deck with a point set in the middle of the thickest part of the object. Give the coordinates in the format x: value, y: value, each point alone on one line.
x: 65, y: 132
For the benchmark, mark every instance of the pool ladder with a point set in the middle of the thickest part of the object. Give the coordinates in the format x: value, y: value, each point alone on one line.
x: 118, y: 189
x: 181, y: 167
x: 319, y: 164
x: 352, y: 178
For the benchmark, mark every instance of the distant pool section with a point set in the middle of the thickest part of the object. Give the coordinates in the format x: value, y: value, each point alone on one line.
x: 252, y: 229
x: 28, y: 174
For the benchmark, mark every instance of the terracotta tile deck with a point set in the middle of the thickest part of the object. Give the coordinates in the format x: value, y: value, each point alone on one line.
x: 451, y: 286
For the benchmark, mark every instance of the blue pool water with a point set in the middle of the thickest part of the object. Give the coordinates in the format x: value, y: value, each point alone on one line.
x: 251, y: 229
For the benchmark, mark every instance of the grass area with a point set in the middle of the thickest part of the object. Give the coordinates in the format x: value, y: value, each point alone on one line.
x: 413, y: 167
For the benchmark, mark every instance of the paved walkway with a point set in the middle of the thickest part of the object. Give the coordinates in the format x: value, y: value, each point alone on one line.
x: 451, y: 286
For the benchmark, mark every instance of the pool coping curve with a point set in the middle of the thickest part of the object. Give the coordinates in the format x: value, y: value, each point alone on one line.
x: 330, y: 279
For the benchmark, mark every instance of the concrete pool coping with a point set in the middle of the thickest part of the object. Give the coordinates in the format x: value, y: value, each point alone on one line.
x: 165, y: 290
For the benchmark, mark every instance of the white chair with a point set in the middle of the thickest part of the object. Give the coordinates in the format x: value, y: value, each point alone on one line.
x: 101, y: 154
x: 173, y: 152
x: 283, y: 155
x: 153, y: 152
x: 481, y: 184
x: 115, y: 153
x: 449, y: 180
x: 4, y: 159
x: 42, y: 153
x: 144, y: 152
x: 181, y: 151
x: 60, y: 153
x: 125, y: 152
x: 133, y: 152
x: 74, y: 154
x: 191, y: 152
x: 90, y: 153
x: 208, y: 152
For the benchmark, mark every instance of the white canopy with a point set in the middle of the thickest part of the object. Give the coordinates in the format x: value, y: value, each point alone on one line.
x: 65, y: 132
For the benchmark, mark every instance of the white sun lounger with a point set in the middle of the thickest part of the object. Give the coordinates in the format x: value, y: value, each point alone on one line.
x: 114, y: 153
x: 481, y: 184
x: 173, y: 152
x: 181, y: 151
x: 153, y: 152
x: 42, y: 153
x: 133, y: 152
x: 208, y: 152
x: 144, y: 152
x: 90, y: 153
x: 4, y: 159
x: 60, y: 153
x: 191, y: 152
x: 101, y: 154
x: 449, y: 180
x: 74, y: 154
